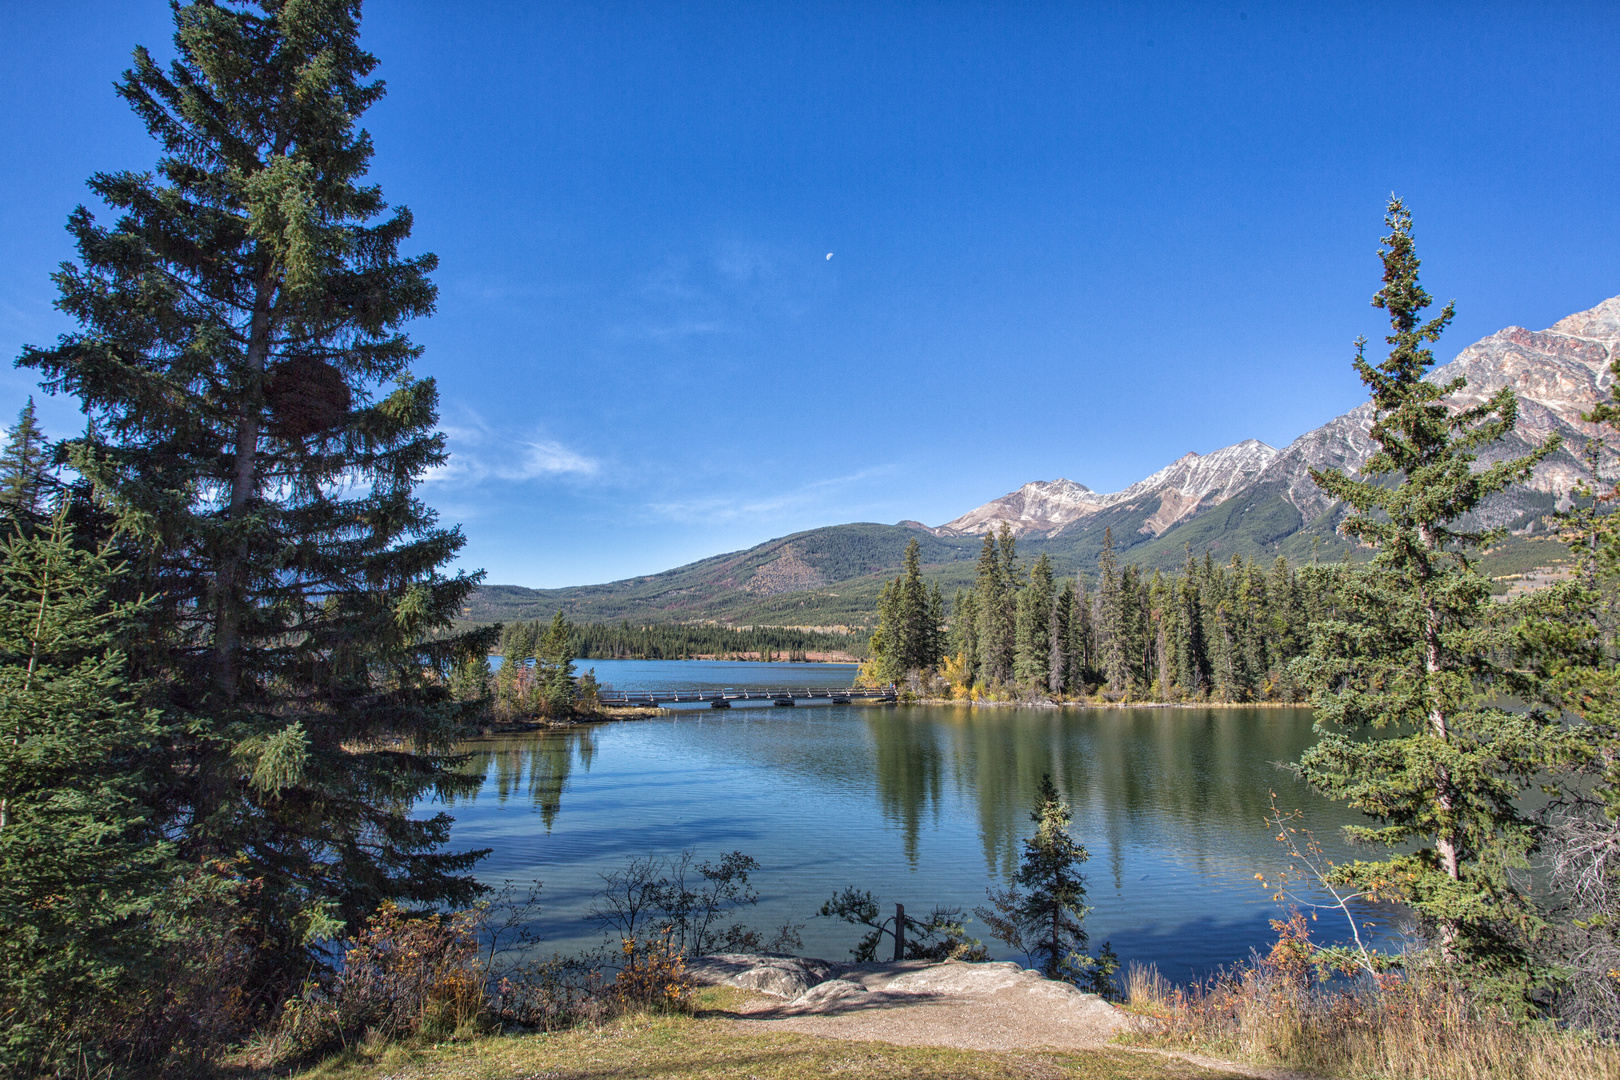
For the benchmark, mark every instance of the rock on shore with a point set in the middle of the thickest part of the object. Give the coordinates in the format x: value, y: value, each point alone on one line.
x: 992, y: 1006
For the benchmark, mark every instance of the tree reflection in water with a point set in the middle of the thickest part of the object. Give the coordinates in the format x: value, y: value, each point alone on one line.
x: 1193, y: 776
x: 536, y: 766
x: 924, y: 803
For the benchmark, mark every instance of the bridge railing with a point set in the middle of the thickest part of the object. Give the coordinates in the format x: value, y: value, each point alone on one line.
x: 808, y: 693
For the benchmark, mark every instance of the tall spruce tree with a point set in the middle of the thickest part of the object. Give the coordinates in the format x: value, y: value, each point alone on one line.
x: 256, y: 434
x: 1082, y: 639
x: 1252, y: 604
x: 1192, y: 657
x: 916, y: 633
x: 1033, y: 645
x: 1407, y: 676
x: 964, y: 636
x: 886, y: 646
x: 1112, y: 643
x: 1573, y: 641
x: 1060, y: 675
x: 555, y: 667
x: 997, y: 588
x: 933, y: 653
x: 1130, y: 627
x: 1160, y: 623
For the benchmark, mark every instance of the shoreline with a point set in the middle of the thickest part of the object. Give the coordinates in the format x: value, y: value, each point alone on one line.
x: 621, y: 714
x: 981, y: 704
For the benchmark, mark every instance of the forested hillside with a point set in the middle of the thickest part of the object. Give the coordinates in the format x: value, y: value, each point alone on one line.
x: 854, y: 561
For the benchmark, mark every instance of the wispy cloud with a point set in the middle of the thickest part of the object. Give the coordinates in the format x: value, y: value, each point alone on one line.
x: 480, y: 452
x: 811, y: 494
x: 732, y: 286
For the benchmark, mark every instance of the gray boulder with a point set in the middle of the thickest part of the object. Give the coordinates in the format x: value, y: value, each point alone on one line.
x: 783, y: 976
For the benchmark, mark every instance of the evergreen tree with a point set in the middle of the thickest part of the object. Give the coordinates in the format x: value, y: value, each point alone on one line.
x: 1284, y: 625
x: 1226, y: 655
x: 964, y: 639
x: 1043, y: 913
x: 1251, y: 602
x: 23, y: 465
x: 1404, y: 678
x: 1572, y: 637
x: 255, y: 435
x: 910, y: 634
x: 83, y: 864
x: 1160, y: 623
x: 1192, y: 656
x: 1060, y: 675
x: 1111, y: 640
x: 997, y: 588
x: 933, y: 653
x: 1283, y: 609
x: 916, y: 633
x: 555, y: 668
x: 1033, y: 645
x: 884, y: 645
x: 1082, y: 639
x: 1130, y: 629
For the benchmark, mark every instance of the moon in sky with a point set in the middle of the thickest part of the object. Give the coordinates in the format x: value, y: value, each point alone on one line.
x: 829, y: 254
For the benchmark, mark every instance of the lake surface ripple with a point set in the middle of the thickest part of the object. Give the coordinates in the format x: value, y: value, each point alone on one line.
x: 923, y: 805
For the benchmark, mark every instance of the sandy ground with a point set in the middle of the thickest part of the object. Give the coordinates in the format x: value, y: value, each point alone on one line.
x: 998, y: 1006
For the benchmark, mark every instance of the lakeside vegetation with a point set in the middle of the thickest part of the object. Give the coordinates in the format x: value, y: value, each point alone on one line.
x: 680, y: 642
x: 229, y: 682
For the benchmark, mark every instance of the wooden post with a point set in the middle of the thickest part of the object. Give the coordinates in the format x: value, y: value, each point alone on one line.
x: 899, y: 931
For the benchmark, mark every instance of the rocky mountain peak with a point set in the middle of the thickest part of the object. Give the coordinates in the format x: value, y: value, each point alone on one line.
x: 1189, y: 482
x: 1558, y: 374
x: 1601, y: 323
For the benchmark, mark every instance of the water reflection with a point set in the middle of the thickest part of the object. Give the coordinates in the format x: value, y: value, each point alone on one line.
x: 1187, y: 778
x: 533, y: 766
x: 924, y: 805
x: 910, y: 766
x: 1190, y: 779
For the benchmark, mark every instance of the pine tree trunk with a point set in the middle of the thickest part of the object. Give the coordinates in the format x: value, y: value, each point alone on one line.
x: 1445, y: 843
x: 227, y: 628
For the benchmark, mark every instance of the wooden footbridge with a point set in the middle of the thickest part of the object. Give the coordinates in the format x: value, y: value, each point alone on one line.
x: 722, y: 699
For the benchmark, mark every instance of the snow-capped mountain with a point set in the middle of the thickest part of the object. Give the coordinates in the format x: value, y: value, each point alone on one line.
x: 1558, y: 374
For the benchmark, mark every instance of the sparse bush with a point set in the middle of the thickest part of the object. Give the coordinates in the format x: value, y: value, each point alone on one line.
x: 407, y: 973
x: 550, y: 995
x: 659, y: 897
x: 653, y: 975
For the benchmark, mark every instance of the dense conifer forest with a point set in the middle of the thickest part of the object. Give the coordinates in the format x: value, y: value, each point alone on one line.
x: 626, y: 642
x: 1209, y: 632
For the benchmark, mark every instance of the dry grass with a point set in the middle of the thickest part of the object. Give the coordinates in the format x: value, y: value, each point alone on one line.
x: 1402, y: 1029
x: 708, y: 1046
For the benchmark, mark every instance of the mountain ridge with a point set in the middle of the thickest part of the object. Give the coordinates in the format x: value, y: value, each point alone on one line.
x: 1249, y: 498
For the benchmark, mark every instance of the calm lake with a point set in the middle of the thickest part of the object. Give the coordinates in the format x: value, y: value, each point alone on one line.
x: 922, y: 805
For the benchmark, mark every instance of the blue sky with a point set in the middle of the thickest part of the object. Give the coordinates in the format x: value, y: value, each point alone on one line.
x: 1067, y: 239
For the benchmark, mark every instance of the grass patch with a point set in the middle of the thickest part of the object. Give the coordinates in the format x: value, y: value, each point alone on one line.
x: 709, y: 1046
x: 1414, y: 1027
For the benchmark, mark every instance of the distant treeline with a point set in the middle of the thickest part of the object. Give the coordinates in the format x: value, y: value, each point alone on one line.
x: 1210, y: 632
x: 678, y: 642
